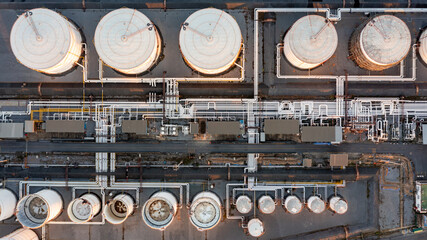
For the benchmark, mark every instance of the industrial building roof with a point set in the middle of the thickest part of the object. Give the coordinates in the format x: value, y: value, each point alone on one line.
x: 281, y: 126
x: 194, y: 128
x: 321, y: 134
x: 134, y: 126
x: 65, y: 126
x: 338, y: 160
x: 223, y: 128
x: 11, y: 130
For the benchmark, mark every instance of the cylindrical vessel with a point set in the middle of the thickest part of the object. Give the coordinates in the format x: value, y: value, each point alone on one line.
x: 210, y: 41
x: 35, y: 210
x: 84, y: 208
x: 381, y: 43
x: 159, y: 211
x: 311, y: 41
x: 45, y: 41
x: 22, y: 234
x: 126, y: 40
x: 266, y: 204
x: 244, y: 204
x: 315, y: 204
x: 338, y: 205
x: 256, y: 227
x: 293, y: 205
x: 119, y: 209
x: 423, y: 46
x: 7, y: 204
x: 205, y: 211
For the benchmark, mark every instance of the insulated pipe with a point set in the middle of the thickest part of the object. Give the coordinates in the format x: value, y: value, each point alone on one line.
x: 21, y: 234
x: 7, y: 204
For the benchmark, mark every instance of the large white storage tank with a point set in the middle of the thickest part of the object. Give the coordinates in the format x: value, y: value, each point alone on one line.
x: 126, y: 40
x: 423, y: 46
x: 119, y: 209
x: 159, y: 211
x: 45, y: 41
x: 21, y: 234
x: 292, y: 204
x: 266, y: 204
x: 210, y: 41
x: 7, y: 204
x: 84, y: 208
x: 311, y: 41
x: 205, y: 211
x: 338, y: 205
x: 35, y: 210
x: 316, y: 204
x: 381, y: 43
x: 244, y: 204
x: 256, y: 227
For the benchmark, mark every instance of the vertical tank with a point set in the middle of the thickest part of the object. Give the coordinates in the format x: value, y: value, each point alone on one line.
x: 45, y: 41
x: 205, y: 211
x: 311, y: 41
x: 293, y: 205
x: 266, y: 204
x: 126, y: 40
x: 159, y: 211
x: 118, y: 209
x: 210, y: 41
x: 84, y: 208
x: 243, y: 204
x: 7, y: 204
x: 338, y: 205
x: 256, y: 227
x: 21, y: 234
x: 315, y: 204
x: 35, y: 210
x: 423, y: 46
x: 381, y: 43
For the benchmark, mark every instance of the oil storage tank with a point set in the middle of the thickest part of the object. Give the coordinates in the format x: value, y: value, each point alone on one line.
x: 338, y: 205
x: 423, y: 46
x: 119, y: 209
x: 381, y: 43
x: 35, y: 210
x: 7, y: 204
x: 256, y: 227
x: 292, y: 204
x: 266, y: 204
x: 244, y: 204
x: 311, y: 41
x: 21, y: 234
x: 159, y: 211
x: 210, y: 41
x: 127, y: 41
x: 45, y: 41
x: 316, y: 204
x: 84, y: 208
x: 205, y: 211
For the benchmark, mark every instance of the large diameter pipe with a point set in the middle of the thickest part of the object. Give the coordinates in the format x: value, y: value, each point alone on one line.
x: 119, y: 209
x: 21, y: 234
x: 35, y: 210
x: 7, y: 204
x: 84, y: 208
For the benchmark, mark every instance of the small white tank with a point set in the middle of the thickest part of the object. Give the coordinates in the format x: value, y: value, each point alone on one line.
x: 210, y: 41
x: 119, y: 209
x: 423, y: 46
x: 21, y: 234
x: 84, y: 208
x: 35, y: 210
x: 244, y: 204
x: 338, y: 205
x: 7, y: 203
x: 381, y: 43
x: 205, y: 211
x: 293, y: 205
x: 315, y: 204
x: 126, y: 40
x: 256, y: 227
x: 45, y: 41
x: 159, y: 211
x: 311, y: 41
x: 266, y: 204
